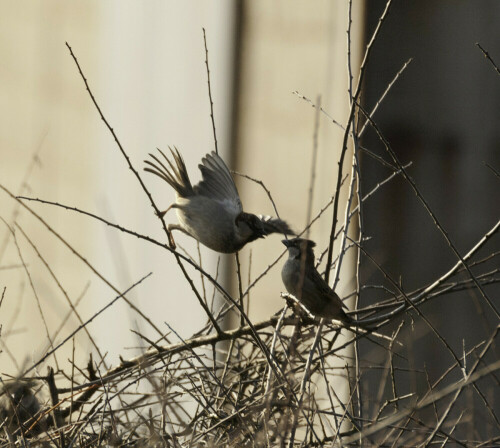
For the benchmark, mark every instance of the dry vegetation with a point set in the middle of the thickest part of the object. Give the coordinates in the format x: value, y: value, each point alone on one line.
x: 272, y: 383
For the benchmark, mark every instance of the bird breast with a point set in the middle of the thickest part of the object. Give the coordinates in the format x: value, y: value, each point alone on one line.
x: 208, y: 221
x: 290, y: 274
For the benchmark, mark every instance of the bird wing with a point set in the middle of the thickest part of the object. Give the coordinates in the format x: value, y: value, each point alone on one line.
x: 217, y: 183
x: 314, y: 277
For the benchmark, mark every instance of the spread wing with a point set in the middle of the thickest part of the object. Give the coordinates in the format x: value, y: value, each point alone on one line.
x: 217, y: 183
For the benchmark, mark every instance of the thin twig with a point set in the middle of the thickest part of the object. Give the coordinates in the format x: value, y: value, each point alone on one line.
x: 210, y: 92
x: 424, y: 202
x: 346, y: 135
x: 80, y: 327
x: 313, y: 163
x: 487, y: 56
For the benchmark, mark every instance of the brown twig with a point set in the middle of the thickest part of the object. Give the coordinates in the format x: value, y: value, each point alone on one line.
x: 346, y: 135
x: 487, y: 56
x: 424, y: 202
x: 210, y: 92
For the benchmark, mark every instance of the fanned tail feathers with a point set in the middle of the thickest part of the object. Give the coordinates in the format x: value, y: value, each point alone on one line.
x: 175, y: 175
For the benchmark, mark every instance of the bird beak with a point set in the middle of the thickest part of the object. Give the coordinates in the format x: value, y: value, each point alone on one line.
x: 286, y: 242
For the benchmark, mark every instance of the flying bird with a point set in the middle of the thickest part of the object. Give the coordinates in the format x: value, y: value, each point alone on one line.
x: 211, y: 211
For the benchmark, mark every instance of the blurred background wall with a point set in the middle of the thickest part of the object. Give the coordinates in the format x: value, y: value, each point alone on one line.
x: 145, y: 64
x: 285, y: 48
x: 443, y: 115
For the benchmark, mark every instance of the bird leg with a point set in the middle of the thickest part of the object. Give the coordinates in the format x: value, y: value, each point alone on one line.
x: 163, y: 213
x: 172, y: 227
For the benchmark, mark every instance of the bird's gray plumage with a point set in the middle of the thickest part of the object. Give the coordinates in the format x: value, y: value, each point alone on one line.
x: 217, y: 182
x: 211, y: 211
x: 303, y: 281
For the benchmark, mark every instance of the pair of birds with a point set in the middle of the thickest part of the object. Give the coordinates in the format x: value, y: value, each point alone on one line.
x: 211, y: 212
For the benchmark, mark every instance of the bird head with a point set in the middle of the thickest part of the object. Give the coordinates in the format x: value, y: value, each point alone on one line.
x: 297, y: 247
x: 249, y: 227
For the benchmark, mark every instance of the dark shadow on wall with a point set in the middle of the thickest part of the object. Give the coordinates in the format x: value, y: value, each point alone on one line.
x: 443, y: 114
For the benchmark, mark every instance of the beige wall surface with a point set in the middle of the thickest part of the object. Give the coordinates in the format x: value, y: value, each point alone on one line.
x: 288, y: 47
x: 145, y: 63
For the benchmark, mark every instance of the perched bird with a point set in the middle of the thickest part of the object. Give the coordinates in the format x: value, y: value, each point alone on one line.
x: 303, y: 281
x: 20, y: 409
x: 211, y: 211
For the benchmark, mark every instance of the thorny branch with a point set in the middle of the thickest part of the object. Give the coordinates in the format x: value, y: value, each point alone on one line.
x: 287, y: 380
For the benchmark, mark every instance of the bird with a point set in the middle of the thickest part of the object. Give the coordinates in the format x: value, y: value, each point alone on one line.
x: 303, y: 281
x: 20, y: 409
x: 211, y: 211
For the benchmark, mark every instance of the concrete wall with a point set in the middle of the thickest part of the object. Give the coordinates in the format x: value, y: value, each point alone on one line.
x: 146, y: 66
